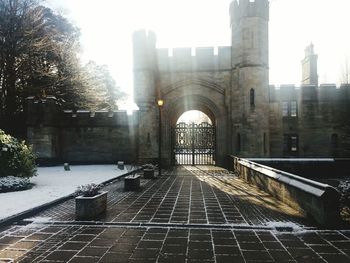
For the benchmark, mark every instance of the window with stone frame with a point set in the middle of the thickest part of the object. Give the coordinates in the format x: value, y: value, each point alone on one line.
x: 290, y: 144
x: 238, y: 143
x: 285, y: 108
x: 334, y: 140
x: 294, y: 143
x: 334, y: 144
x: 289, y: 108
x: 293, y: 108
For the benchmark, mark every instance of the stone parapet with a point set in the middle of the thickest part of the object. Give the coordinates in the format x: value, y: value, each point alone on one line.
x: 314, y: 199
x: 323, y: 92
x: 80, y: 136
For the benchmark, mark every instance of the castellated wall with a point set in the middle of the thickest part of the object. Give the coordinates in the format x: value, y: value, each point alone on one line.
x: 195, y: 80
x: 80, y: 136
x: 204, y: 59
x: 320, y: 121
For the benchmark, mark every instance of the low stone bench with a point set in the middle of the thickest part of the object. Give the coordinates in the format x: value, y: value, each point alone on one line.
x: 132, y: 182
x: 313, y: 199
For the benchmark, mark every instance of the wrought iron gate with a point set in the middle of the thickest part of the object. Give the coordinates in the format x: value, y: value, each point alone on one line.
x: 194, y: 143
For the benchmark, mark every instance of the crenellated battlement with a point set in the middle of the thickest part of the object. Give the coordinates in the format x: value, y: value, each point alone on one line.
x: 144, y: 35
x: 204, y: 59
x: 248, y: 8
x: 324, y: 92
x: 49, y: 111
x: 97, y: 118
x: 144, y: 44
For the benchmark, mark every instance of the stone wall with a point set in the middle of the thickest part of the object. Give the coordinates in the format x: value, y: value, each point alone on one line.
x: 321, y: 121
x: 311, y: 168
x: 203, y: 59
x: 81, y: 136
x: 316, y: 200
x: 195, y: 90
x: 231, y: 86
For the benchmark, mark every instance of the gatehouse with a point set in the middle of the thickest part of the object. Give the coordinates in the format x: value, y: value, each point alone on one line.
x: 250, y: 118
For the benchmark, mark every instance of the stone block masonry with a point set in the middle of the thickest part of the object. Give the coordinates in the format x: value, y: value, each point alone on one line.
x: 316, y: 200
x: 80, y: 136
x: 231, y: 86
x: 204, y: 59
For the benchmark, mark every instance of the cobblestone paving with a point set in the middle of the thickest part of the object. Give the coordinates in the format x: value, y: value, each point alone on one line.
x: 189, y: 215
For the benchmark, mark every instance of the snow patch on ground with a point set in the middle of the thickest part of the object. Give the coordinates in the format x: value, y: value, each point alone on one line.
x: 281, y: 225
x: 52, y: 183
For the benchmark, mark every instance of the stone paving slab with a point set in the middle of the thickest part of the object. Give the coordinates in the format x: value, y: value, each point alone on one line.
x: 70, y: 243
x: 193, y: 214
x: 189, y: 195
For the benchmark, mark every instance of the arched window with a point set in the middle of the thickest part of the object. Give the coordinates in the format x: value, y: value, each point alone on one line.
x: 252, y: 98
x: 334, y: 141
x: 334, y: 144
x: 238, y: 143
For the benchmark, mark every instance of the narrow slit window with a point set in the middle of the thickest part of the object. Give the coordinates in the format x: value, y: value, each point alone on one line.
x: 238, y: 142
x: 252, y: 97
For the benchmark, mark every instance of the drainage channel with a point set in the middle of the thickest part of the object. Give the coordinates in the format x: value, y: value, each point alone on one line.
x: 166, y: 225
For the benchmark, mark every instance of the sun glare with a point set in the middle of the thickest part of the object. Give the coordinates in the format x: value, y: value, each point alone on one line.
x: 107, y: 27
x: 194, y: 116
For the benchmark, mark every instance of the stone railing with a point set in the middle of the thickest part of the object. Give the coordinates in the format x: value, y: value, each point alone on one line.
x: 311, y: 198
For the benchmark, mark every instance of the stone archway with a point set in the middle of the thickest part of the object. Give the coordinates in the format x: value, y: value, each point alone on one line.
x: 175, y: 107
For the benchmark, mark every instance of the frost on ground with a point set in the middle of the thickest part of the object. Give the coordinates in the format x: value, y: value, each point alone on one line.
x: 53, y: 183
x: 284, y: 225
x: 12, y: 183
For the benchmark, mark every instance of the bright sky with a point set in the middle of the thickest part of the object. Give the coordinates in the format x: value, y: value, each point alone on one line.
x: 107, y: 27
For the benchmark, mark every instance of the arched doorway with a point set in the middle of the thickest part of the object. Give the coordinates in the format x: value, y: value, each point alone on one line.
x: 194, y: 139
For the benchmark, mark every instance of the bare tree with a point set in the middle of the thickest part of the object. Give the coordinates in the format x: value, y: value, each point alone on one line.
x: 39, y: 54
x: 37, y: 51
x: 101, y: 89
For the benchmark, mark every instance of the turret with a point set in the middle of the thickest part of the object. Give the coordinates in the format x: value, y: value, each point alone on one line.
x: 145, y: 93
x: 144, y: 55
x: 250, y: 80
x: 309, y: 67
x: 249, y: 24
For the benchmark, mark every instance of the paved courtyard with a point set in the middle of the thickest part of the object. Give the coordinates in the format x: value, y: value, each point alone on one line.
x: 190, y: 214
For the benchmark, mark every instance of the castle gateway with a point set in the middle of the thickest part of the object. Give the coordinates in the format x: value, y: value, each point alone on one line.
x: 251, y: 118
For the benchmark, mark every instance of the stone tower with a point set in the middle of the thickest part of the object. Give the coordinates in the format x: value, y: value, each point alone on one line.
x: 250, y: 79
x: 145, y: 93
x: 309, y: 67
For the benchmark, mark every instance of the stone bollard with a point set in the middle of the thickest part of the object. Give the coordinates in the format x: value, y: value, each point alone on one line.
x: 132, y: 183
x: 121, y: 165
x: 66, y: 166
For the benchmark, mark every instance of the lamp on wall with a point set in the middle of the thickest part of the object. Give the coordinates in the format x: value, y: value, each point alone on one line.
x: 160, y: 103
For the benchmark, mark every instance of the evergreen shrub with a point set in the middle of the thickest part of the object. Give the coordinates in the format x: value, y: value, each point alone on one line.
x: 16, y: 158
